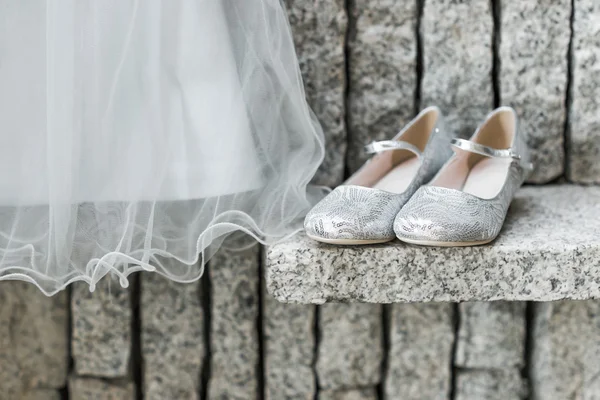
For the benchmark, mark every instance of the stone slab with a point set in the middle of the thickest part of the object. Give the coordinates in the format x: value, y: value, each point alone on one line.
x: 235, y: 355
x: 584, y: 124
x: 549, y: 249
x: 101, y: 329
x: 350, y: 346
x: 491, y: 335
x: 41, y: 394
x: 382, y: 61
x: 420, y: 355
x: 40, y: 337
x: 490, y: 385
x: 172, y: 338
x: 458, y: 61
x: 319, y: 37
x: 566, y: 350
x: 533, y: 77
x: 34, y: 348
x: 99, y: 389
x: 356, y: 394
x: 490, y: 351
x: 289, y: 347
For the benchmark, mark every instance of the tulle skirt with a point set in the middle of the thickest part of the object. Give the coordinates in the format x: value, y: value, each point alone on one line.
x: 138, y: 134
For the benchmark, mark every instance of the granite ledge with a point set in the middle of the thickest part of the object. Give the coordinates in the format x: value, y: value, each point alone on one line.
x: 549, y: 249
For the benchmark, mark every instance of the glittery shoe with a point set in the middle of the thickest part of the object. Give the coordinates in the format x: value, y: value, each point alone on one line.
x: 467, y: 201
x: 362, y: 210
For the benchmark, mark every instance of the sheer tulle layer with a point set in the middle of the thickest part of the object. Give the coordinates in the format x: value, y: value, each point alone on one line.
x: 135, y: 132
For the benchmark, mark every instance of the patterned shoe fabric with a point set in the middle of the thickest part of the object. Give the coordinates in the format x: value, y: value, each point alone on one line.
x: 437, y: 214
x: 355, y: 213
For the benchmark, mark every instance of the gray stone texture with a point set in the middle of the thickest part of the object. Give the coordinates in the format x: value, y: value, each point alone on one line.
x: 549, y: 249
x: 420, y: 355
x: 584, y: 124
x: 289, y: 346
x: 355, y: 394
x: 491, y: 335
x: 172, y: 338
x: 382, y: 57
x: 566, y: 351
x: 319, y: 37
x: 457, y: 61
x: 33, y: 340
x: 350, y: 346
x: 234, y: 278
x: 490, y: 350
x: 490, y: 385
x: 99, y: 389
x: 41, y: 394
x: 533, y: 77
x: 101, y: 329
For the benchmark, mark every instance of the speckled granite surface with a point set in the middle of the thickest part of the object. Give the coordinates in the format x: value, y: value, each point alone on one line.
x: 491, y: 385
x: 497, y: 325
x: 584, y: 129
x: 101, y: 328
x: 234, y: 340
x: 41, y: 394
x: 289, y: 349
x: 382, y: 57
x: 319, y: 37
x: 356, y: 394
x: 172, y: 328
x: 457, y: 61
x: 490, y: 350
x: 533, y: 77
x: 549, y: 249
x: 566, y: 350
x: 98, y: 389
x: 420, y: 356
x: 350, y: 348
x: 34, y: 348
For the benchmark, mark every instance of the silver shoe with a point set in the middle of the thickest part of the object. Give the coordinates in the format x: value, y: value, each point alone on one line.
x: 467, y: 201
x: 363, y: 209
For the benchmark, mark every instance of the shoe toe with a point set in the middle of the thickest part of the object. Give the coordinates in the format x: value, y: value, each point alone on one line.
x: 442, y: 215
x: 354, y: 213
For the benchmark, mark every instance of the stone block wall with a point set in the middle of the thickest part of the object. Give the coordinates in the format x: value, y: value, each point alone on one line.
x: 369, y: 66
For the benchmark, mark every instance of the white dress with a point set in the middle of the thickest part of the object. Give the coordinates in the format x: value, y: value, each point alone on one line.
x: 137, y: 134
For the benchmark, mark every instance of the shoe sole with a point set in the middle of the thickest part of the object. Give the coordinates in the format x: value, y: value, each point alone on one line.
x: 349, y: 242
x: 445, y: 244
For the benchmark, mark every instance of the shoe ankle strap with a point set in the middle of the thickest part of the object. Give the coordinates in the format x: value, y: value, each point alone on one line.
x: 387, y: 145
x: 487, y: 151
